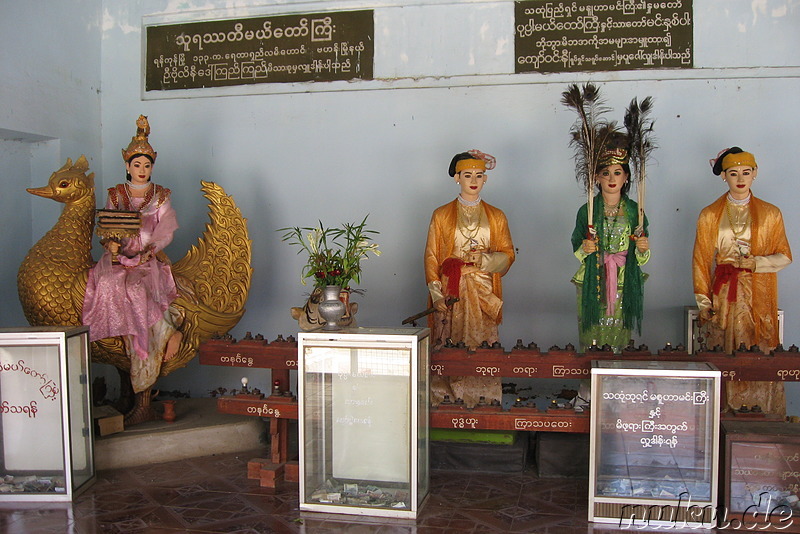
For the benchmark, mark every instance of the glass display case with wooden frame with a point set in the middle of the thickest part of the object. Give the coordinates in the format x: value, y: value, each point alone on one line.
x: 45, y: 414
x: 654, y: 443
x: 363, y: 395
x: 761, y: 475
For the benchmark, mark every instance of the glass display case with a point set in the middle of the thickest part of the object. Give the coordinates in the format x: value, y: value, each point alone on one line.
x: 45, y: 420
x: 363, y: 413
x: 761, y: 475
x: 654, y: 443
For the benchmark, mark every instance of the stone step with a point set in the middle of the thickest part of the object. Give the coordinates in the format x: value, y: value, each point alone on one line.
x: 199, y: 430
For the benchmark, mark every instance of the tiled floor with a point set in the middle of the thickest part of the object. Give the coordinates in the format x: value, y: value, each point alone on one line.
x: 213, y: 494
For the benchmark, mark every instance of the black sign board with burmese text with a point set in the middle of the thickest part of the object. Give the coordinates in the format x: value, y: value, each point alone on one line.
x: 598, y: 35
x: 316, y: 47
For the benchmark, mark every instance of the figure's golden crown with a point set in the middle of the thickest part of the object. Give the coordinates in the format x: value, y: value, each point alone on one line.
x: 139, y: 144
x: 613, y: 156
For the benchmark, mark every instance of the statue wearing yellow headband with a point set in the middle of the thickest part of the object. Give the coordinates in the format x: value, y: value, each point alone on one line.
x: 739, y: 247
x: 469, y: 248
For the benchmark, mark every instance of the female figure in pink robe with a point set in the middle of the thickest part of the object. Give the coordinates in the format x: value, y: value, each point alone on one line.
x: 129, y: 291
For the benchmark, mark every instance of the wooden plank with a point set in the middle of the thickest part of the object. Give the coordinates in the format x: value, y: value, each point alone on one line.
x: 779, y: 366
x: 523, y: 419
x: 520, y: 362
x: 267, y: 407
x: 484, y: 418
x: 255, y: 353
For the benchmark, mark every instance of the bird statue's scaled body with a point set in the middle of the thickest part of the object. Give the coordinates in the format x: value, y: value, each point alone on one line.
x: 213, y: 278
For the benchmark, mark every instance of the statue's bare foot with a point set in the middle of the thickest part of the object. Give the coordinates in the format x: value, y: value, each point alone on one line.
x: 173, y: 344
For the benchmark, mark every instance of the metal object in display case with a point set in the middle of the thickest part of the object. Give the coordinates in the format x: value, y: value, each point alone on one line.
x: 363, y: 421
x: 45, y: 414
x: 654, y: 443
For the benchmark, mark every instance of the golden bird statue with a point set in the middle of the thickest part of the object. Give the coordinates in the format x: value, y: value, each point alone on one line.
x: 213, y: 278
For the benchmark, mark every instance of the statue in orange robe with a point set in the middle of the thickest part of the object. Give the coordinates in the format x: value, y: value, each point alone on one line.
x: 739, y: 247
x: 469, y: 249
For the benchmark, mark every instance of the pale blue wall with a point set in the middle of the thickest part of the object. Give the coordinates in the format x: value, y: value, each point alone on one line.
x: 49, y: 110
x: 291, y: 154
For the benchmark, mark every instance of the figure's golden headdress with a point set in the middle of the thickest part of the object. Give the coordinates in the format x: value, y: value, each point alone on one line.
x: 472, y: 163
x: 737, y: 160
x: 472, y: 159
x: 139, y: 144
x: 732, y: 157
x: 614, y: 146
x: 613, y: 156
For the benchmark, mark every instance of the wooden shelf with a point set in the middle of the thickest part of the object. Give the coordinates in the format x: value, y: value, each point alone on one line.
x: 560, y: 420
x: 280, y: 356
x: 518, y: 363
x: 250, y: 353
x: 272, y: 407
x: 557, y: 420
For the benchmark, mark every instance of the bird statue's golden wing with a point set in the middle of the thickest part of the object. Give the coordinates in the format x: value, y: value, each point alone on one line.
x: 213, y: 278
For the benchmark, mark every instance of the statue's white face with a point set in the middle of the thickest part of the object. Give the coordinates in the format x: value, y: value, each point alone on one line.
x: 140, y: 168
x: 739, y: 180
x: 611, y: 179
x: 471, y: 182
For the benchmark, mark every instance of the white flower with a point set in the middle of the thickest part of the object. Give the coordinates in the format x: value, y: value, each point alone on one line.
x: 371, y: 247
x: 365, y: 246
x: 313, y: 239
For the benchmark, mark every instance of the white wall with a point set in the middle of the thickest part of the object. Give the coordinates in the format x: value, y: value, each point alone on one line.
x: 294, y: 153
x: 49, y: 111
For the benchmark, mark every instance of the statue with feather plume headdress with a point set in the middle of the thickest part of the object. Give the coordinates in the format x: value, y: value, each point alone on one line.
x: 611, y: 234
x: 640, y: 129
x: 587, y: 136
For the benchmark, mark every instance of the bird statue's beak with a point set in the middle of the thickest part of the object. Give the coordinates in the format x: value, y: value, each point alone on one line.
x: 45, y: 191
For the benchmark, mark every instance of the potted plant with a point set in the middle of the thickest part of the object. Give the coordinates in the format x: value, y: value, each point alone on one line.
x: 334, y: 261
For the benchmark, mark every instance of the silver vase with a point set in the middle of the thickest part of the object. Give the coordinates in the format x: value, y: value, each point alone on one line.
x: 331, y: 308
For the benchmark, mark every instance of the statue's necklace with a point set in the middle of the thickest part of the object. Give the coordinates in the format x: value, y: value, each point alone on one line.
x: 612, y: 215
x: 611, y: 211
x: 465, y: 202
x: 469, y: 223
x: 735, y: 221
x: 147, y: 196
